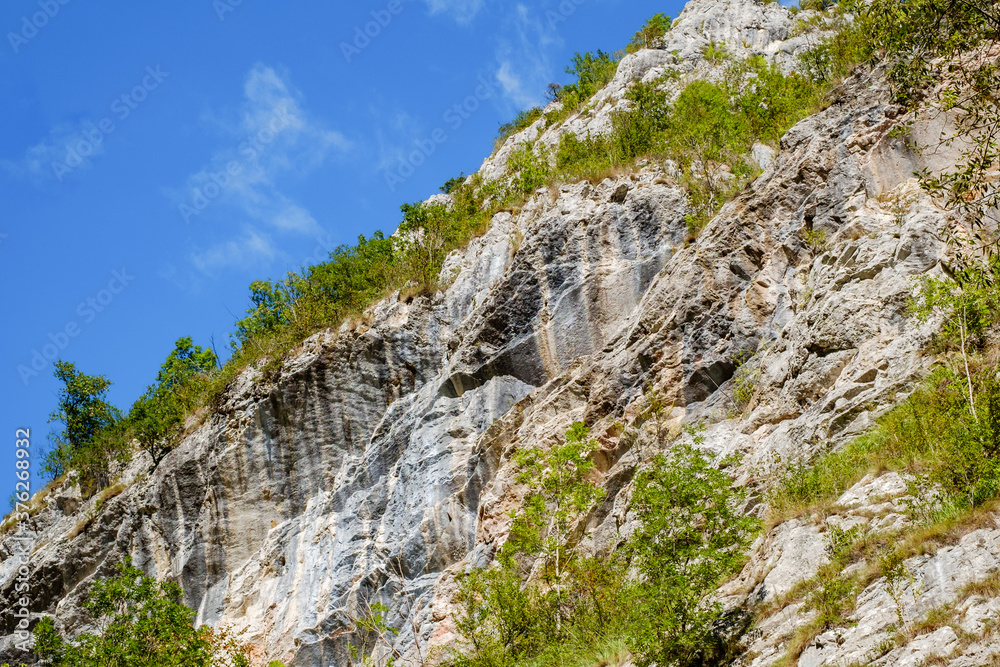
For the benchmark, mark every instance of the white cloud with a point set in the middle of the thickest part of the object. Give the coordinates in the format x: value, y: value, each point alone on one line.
x: 69, y: 147
x: 252, y: 248
x: 461, y: 11
x: 271, y: 137
x: 295, y: 218
x: 524, y: 68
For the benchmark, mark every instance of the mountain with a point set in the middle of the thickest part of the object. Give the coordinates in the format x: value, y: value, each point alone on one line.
x: 377, y: 463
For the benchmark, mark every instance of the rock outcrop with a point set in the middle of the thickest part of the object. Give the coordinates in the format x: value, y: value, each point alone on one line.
x: 377, y: 463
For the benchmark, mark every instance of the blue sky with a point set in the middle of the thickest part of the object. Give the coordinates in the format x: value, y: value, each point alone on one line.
x: 156, y: 158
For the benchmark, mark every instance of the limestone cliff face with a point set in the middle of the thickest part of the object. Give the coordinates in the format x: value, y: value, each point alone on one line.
x: 377, y: 464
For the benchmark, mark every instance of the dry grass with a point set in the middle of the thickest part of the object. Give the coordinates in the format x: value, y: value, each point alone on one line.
x: 926, y: 540
x: 35, y: 505
x: 101, y: 498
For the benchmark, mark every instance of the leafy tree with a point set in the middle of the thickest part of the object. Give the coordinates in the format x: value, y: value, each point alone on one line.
x: 271, y: 310
x: 453, y: 183
x: 655, y: 28
x: 141, y: 623
x: 637, y: 130
x: 768, y: 100
x: 431, y: 232
x: 690, y: 536
x: 158, y: 416
x: 186, y: 361
x: 85, y: 414
x: 939, y: 58
x: 592, y: 72
x: 561, y: 495
x: 503, y: 620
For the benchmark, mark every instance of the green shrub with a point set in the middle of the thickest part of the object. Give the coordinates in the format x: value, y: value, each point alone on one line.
x: 83, y: 445
x: 691, y: 536
x: 770, y: 101
x: 157, y: 418
x: 576, y: 159
x: 453, y: 183
x: 650, y: 597
x: 933, y: 434
x: 655, y: 28
x: 141, y: 623
x: 592, y: 71
x: 636, y: 132
x: 715, y: 53
x: 574, y: 601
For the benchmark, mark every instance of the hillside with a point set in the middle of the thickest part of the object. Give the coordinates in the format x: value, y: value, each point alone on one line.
x: 378, y: 461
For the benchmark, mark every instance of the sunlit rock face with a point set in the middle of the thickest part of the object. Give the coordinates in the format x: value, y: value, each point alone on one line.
x: 377, y: 463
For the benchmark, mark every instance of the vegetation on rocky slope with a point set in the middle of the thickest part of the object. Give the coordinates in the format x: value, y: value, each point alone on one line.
x: 542, y: 602
x: 545, y: 604
x: 706, y: 132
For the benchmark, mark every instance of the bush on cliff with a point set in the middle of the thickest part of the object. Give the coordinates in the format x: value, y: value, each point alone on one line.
x: 141, y: 623
x: 543, y: 603
x: 96, y: 436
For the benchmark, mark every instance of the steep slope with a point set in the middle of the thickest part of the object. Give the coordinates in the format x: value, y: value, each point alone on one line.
x: 378, y: 463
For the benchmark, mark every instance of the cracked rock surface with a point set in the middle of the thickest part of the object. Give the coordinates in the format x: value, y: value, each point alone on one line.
x: 377, y: 464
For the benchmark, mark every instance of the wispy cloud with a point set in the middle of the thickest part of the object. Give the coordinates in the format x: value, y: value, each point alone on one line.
x: 272, y: 137
x: 524, y: 68
x: 461, y: 11
x: 68, y: 147
x: 250, y: 249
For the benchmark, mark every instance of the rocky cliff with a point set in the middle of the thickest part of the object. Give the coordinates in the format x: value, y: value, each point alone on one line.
x: 377, y: 464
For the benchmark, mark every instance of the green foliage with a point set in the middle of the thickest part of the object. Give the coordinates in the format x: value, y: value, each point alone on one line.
x: 832, y: 598
x: 571, y: 602
x: 708, y: 127
x: 141, y: 623
x: 376, y: 648
x: 543, y: 604
x: 815, y: 240
x: 652, y: 30
x: 527, y: 171
x: 86, y: 415
x: 592, y: 71
x: 715, y: 53
x: 769, y: 101
x: 936, y: 52
x: 934, y: 434
x: 561, y: 494
x: 636, y: 131
x: 691, y: 536
x: 576, y: 159
x: 96, y: 436
x: 833, y: 57
x: 502, y: 621
x: 453, y: 183
x: 269, y: 312
x: 157, y: 418
x: 817, y: 5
